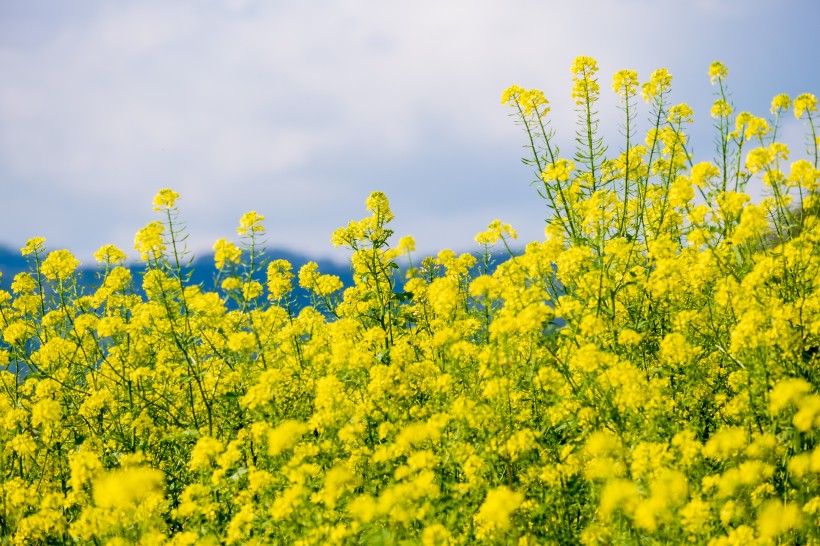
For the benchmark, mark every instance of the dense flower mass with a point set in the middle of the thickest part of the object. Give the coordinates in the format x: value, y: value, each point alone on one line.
x: 646, y: 374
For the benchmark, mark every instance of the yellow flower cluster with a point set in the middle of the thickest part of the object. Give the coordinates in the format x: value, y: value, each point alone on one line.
x: 646, y: 373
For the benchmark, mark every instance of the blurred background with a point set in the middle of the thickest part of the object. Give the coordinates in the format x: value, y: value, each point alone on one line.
x: 299, y: 110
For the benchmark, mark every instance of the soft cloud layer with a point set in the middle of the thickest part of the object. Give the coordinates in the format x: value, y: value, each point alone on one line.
x: 299, y: 110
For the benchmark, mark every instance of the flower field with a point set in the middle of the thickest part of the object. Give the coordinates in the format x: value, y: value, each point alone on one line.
x: 646, y: 374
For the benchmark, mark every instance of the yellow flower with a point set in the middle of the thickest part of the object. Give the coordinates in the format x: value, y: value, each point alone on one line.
x: 624, y: 83
x: 495, y: 232
x: 804, y: 103
x: 239, y: 528
x: 585, y: 88
x: 495, y: 512
x: 803, y: 174
x: 35, y: 245
x: 717, y: 72
x: 808, y: 414
x: 435, y: 535
x: 279, y: 279
x: 533, y: 100
x: 781, y: 102
x: 204, y: 452
x: 226, y: 252
x: 511, y: 94
x: 406, y: 245
x: 322, y: 285
x: 703, y: 172
x: 149, y: 240
x: 165, y: 199
x: 618, y: 494
x: 695, y: 515
x: 560, y: 170
x: 110, y: 254
x: 285, y: 436
x: 629, y: 337
x: 659, y: 83
x: 681, y: 113
x: 126, y: 488
x: 84, y: 465
x: 60, y: 264
x: 725, y: 443
x: 777, y: 518
x: 378, y: 204
x: 721, y: 109
x: 251, y: 223
x: 45, y: 412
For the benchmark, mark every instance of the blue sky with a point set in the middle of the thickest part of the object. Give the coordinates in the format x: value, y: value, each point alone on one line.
x: 299, y: 110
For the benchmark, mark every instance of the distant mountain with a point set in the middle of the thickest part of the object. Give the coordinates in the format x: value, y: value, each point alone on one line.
x: 202, y: 270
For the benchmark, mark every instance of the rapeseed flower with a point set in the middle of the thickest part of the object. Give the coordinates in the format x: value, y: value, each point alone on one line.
x: 494, y: 515
x: 165, y: 199
x: 717, y: 72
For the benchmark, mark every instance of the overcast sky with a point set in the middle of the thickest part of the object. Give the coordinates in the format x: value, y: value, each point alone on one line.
x: 300, y: 109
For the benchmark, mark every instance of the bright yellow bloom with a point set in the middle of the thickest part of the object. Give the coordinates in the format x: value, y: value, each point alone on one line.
x: 494, y: 515
x: 804, y: 103
x: 808, y: 414
x: 535, y: 101
x: 681, y: 113
x: 495, y: 232
x: 378, y: 204
x: 803, y: 174
x: 110, y: 254
x: 721, y: 109
x: 226, y: 252
x: 560, y: 170
x: 165, y: 199
x: 585, y: 87
x: 60, y: 264
x: 280, y: 277
x: 251, y: 223
x: 284, y: 436
x: 205, y: 450
x: 717, y: 72
x: 777, y: 518
x: 624, y: 83
x: 84, y: 466
x: 406, y: 245
x: 703, y: 172
x: 35, y: 245
x: 725, y: 443
x: 45, y: 412
x: 435, y: 535
x: 618, y: 494
x: 126, y: 488
x: 149, y: 240
x: 659, y: 83
x: 781, y: 102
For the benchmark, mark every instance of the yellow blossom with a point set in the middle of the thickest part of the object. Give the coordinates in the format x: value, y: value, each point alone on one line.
x: 659, y: 83
x: 125, y: 488
x: 60, y: 265
x: 805, y: 102
x: 781, y: 102
x: 494, y: 515
x: 251, y: 223
x: 717, y: 72
x: 624, y: 83
x: 165, y: 199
